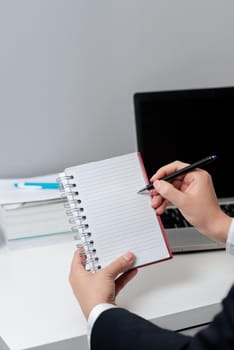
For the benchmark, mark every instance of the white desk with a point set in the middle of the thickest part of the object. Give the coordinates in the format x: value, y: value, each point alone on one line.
x: 37, y: 306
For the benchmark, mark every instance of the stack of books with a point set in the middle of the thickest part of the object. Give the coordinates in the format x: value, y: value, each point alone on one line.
x: 31, y: 208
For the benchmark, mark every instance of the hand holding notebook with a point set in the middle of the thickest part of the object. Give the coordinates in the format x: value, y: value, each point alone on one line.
x: 109, y: 216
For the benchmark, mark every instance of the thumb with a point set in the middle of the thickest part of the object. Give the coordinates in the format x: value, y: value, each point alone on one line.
x: 169, y: 192
x: 121, y: 264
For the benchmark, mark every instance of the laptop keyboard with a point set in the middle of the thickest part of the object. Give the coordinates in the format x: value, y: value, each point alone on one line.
x: 228, y: 209
x: 172, y: 217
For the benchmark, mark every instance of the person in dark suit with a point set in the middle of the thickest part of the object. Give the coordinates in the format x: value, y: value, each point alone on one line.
x: 111, y: 327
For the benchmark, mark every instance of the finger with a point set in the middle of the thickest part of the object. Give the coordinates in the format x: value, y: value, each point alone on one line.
x: 160, y: 210
x: 164, y: 203
x: 78, y: 260
x: 120, y: 265
x: 153, y: 192
x: 168, y: 169
x: 126, y: 277
x: 169, y: 192
x: 156, y: 201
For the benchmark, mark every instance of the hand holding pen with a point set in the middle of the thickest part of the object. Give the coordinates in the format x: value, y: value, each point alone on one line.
x: 199, y: 163
x: 194, y: 196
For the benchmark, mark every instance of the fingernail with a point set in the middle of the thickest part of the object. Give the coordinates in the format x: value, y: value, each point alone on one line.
x: 128, y: 256
x: 157, y: 185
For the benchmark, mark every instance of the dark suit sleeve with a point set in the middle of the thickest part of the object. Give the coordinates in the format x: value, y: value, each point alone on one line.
x: 119, y: 329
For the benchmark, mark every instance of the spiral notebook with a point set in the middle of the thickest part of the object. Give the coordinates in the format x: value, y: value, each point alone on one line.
x: 107, y: 214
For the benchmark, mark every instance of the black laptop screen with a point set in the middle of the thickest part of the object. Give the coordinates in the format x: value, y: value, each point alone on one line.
x: 188, y: 125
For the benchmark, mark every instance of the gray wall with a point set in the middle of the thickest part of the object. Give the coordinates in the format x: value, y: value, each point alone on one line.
x: 69, y: 68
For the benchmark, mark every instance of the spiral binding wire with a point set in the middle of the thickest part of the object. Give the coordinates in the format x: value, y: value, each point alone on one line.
x: 78, y: 221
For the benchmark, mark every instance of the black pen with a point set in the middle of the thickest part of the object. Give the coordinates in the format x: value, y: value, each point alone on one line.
x: 199, y: 163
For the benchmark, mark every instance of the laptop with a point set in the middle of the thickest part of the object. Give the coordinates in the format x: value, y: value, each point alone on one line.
x: 188, y: 125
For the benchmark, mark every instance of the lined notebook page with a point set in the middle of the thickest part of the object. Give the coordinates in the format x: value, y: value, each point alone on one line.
x: 119, y: 218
